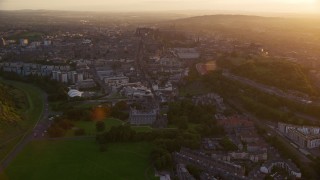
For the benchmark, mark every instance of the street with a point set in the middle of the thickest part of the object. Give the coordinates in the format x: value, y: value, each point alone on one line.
x: 268, y: 89
x: 37, y: 132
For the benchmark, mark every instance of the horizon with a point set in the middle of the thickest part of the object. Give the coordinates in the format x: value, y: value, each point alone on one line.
x: 125, y: 6
x: 181, y: 13
x: 159, y: 89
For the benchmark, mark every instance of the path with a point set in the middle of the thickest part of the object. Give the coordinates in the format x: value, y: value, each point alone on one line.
x: 41, y: 125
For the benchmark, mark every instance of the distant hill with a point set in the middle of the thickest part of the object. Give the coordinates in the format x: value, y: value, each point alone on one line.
x: 232, y: 22
x: 226, y: 22
x: 9, y: 107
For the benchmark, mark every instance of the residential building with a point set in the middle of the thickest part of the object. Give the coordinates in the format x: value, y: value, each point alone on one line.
x: 116, y: 81
x: 24, y: 42
x: 287, y: 165
x: 235, y: 123
x: 210, y: 164
x: 183, y: 173
x: 186, y: 53
x: 143, y: 117
x: 304, y: 136
x: 86, y: 84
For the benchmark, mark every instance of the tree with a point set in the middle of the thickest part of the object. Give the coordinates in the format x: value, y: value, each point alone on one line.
x: 121, y: 106
x: 183, y: 123
x: 79, y: 132
x: 100, y: 126
x: 227, y: 144
x: 194, y: 171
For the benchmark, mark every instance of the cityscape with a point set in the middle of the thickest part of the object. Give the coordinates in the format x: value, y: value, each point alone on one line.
x: 194, y: 94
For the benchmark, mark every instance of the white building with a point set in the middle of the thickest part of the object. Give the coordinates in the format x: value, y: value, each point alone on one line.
x: 64, y: 77
x: 47, y: 42
x: 35, y: 44
x: 167, y: 88
x: 186, y: 53
x: 80, y: 77
x: 86, y: 41
x: 116, y: 81
x: 136, y: 92
x: 74, y: 93
x: 287, y: 165
x: 85, y: 84
x: 304, y: 136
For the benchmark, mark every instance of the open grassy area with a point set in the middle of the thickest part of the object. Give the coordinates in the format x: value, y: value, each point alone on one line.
x: 142, y: 128
x: 192, y: 127
x: 80, y: 160
x: 8, y: 146
x: 90, y: 126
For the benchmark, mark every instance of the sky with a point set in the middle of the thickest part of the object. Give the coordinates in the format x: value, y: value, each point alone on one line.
x: 284, y: 6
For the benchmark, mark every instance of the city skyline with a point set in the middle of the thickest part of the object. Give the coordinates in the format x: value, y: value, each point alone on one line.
x: 284, y: 6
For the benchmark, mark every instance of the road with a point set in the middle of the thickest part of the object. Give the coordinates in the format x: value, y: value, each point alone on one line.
x: 36, y: 132
x: 141, y: 69
x: 268, y: 89
x: 276, y: 92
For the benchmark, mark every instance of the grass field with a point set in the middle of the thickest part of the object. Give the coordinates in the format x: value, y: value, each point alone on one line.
x: 80, y: 160
x: 142, y: 128
x: 32, y: 113
x: 8, y: 146
x: 90, y: 126
x: 192, y: 127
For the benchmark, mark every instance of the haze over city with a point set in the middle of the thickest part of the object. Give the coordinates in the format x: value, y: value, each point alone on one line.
x: 284, y: 6
x: 159, y: 90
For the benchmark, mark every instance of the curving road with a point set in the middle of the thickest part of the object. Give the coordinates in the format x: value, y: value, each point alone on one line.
x: 38, y: 131
x: 268, y: 89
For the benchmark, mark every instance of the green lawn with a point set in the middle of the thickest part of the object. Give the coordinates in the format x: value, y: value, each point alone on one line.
x: 192, y: 127
x: 8, y: 146
x: 142, y: 128
x: 80, y: 160
x: 90, y: 126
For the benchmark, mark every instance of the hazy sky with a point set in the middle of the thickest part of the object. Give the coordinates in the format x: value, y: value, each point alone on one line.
x: 311, y: 6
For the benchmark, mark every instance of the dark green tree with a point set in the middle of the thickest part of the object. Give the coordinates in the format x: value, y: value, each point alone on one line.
x: 100, y: 126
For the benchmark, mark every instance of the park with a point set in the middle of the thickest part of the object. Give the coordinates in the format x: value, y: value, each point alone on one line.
x: 81, y: 159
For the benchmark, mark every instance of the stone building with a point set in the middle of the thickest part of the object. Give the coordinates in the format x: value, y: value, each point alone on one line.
x: 143, y: 117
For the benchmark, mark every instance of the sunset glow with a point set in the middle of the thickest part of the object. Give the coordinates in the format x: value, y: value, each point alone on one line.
x: 306, y: 6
